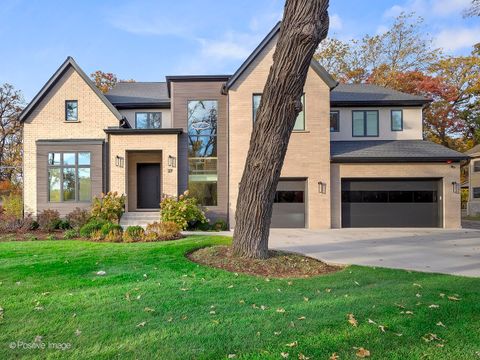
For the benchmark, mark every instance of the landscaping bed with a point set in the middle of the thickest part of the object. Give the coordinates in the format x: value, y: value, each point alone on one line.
x: 278, y: 265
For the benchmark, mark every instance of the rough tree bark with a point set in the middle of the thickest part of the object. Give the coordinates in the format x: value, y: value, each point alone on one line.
x: 305, y: 24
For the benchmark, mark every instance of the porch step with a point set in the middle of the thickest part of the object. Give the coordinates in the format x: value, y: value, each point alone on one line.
x: 139, y: 218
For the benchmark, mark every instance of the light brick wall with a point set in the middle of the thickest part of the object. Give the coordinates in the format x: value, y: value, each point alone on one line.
x: 308, y: 153
x: 447, y: 172
x: 47, y: 122
x: 474, y: 181
x: 120, y: 145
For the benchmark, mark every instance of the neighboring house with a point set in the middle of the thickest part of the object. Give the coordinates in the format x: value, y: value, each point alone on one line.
x: 473, y: 205
x: 355, y: 159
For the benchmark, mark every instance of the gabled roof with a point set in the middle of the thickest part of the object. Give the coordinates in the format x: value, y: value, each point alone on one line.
x: 324, y: 75
x: 194, y: 78
x: 474, y: 151
x: 139, y: 95
x: 372, y: 95
x: 69, y: 62
x: 365, y: 151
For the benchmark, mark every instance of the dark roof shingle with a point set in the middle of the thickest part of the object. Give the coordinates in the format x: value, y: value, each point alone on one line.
x: 392, y: 151
x: 139, y: 93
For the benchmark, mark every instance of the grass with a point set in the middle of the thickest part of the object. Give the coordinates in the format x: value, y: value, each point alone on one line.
x: 50, y: 289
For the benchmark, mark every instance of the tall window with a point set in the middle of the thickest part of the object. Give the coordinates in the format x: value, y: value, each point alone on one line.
x: 397, y: 120
x: 71, y: 110
x: 202, y: 150
x: 476, y: 166
x: 365, y: 123
x: 334, y: 121
x: 148, y: 120
x: 69, y: 177
x: 299, y: 124
x: 476, y: 193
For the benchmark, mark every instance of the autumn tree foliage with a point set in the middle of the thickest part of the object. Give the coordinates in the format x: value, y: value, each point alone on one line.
x: 104, y: 81
x: 402, y: 58
x: 11, y: 105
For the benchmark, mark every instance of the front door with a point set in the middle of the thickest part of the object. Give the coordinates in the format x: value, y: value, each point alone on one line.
x: 148, y: 186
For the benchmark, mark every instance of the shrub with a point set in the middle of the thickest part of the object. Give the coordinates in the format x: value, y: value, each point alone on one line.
x: 93, y: 225
x: 51, y: 237
x: 109, y: 207
x: 184, y: 211
x: 162, y: 232
x: 70, y: 234
x: 96, y: 235
x: 48, y: 220
x: 78, y: 217
x: 10, y: 224
x: 133, y: 234
x: 115, y: 235
x: 64, y: 225
x: 109, y: 226
x: 13, y: 206
x: 220, y: 225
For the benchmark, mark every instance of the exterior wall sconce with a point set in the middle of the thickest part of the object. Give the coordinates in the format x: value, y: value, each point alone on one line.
x: 172, y: 161
x: 455, y: 187
x: 119, y: 161
x: 322, y: 187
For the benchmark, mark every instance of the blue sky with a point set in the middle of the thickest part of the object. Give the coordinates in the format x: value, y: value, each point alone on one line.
x: 148, y: 39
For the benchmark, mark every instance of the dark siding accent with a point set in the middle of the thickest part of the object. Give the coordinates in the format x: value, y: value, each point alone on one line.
x: 97, y: 173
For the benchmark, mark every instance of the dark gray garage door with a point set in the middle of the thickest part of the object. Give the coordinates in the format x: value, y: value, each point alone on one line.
x: 391, y: 203
x: 289, y: 205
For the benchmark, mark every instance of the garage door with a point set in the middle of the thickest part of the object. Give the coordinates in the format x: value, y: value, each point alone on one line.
x: 391, y: 203
x: 289, y: 205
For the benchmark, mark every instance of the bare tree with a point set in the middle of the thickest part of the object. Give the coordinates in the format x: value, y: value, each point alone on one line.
x: 11, y: 105
x: 305, y: 24
x: 474, y: 9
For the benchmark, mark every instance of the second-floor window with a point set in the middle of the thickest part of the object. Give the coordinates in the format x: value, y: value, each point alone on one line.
x: 71, y: 110
x: 365, y: 123
x: 397, y: 120
x: 299, y: 124
x: 334, y: 121
x: 148, y: 120
x: 476, y: 166
x: 476, y: 193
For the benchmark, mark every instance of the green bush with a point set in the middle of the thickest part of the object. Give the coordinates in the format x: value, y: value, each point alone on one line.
x: 78, y: 217
x: 109, y: 207
x: 115, y: 235
x: 220, y: 225
x: 133, y: 234
x: 97, y: 235
x: 93, y: 225
x: 13, y: 206
x: 184, y: 211
x: 162, y: 232
x: 64, y: 225
x: 70, y: 234
x: 48, y: 220
x: 109, y: 226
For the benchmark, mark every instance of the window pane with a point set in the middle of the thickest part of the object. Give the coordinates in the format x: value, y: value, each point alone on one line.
x: 334, y: 121
x: 85, y: 185
x: 205, y: 192
x: 141, y: 120
x: 425, y: 196
x: 397, y: 124
x: 300, y: 123
x: 358, y: 123
x: 54, y: 185
x: 476, y: 193
x: 202, y: 117
x: 155, y: 120
x: 84, y: 158
x: 375, y: 196
x: 69, y: 159
x: 202, y: 146
x: 289, y: 197
x: 54, y: 159
x: 206, y: 166
x: 69, y: 184
x: 400, y: 196
x: 476, y: 166
x: 71, y: 110
x: 256, y: 105
x: 372, y: 123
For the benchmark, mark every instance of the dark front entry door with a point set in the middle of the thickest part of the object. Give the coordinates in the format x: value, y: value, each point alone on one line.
x: 148, y: 186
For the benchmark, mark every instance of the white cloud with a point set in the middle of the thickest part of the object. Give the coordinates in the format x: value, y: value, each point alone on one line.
x: 428, y: 8
x: 454, y: 39
x: 336, y: 22
x: 447, y: 7
x: 224, y: 49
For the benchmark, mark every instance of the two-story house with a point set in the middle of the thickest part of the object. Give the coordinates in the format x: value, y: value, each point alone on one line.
x: 473, y: 205
x: 356, y: 157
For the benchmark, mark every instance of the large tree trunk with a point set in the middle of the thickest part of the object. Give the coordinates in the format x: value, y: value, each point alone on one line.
x: 304, y: 25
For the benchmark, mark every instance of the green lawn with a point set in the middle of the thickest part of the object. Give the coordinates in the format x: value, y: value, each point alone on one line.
x: 50, y: 289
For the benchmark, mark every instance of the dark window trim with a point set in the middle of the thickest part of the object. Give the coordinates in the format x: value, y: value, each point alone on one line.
x: 149, y: 112
x: 304, y: 110
x: 338, y: 123
x: 365, y: 123
x: 391, y: 119
x: 66, y: 113
x: 77, y: 183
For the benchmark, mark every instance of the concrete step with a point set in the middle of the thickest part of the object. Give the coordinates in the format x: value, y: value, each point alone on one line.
x: 139, y: 218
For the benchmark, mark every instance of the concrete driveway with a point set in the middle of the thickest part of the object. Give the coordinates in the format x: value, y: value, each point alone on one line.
x: 432, y: 250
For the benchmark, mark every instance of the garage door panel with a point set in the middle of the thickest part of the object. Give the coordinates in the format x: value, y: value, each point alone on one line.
x: 289, y: 205
x: 390, y: 203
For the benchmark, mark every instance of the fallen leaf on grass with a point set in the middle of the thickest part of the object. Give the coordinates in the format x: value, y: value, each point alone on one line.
x: 147, y: 309
x: 334, y: 356
x: 352, y: 320
x: 212, y: 312
x: 408, y: 312
x: 142, y: 324
x: 46, y: 293
x: 78, y: 332
x: 370, y: 321
x: 232, y: 356
x: 362, y: 353
x: 184, y: 289
x: 277, y: 333
x: 431, y: 337
x: 302, y: 318
x: 302, y: 357
x: 1, y: 312
x: 357, y: 283
x: 292, y: 344
x: 434, y: 306
x: 280, y: 310
x: 453, y: 298
x: 306, y: 299
x: 230, y: 287
x: 170, y: 319
x: 101, y: 273
x: 328, y: 290
x: 242, y: 301
x: 381, y: 327
x: 440, y: 324
x: 417, y: 285
x: 284, y: 355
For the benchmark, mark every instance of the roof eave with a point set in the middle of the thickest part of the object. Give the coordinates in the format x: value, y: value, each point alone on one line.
x: 420, y: 159
x: 353, y: 103
x: 121, y: 131
x: 194, y: 78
